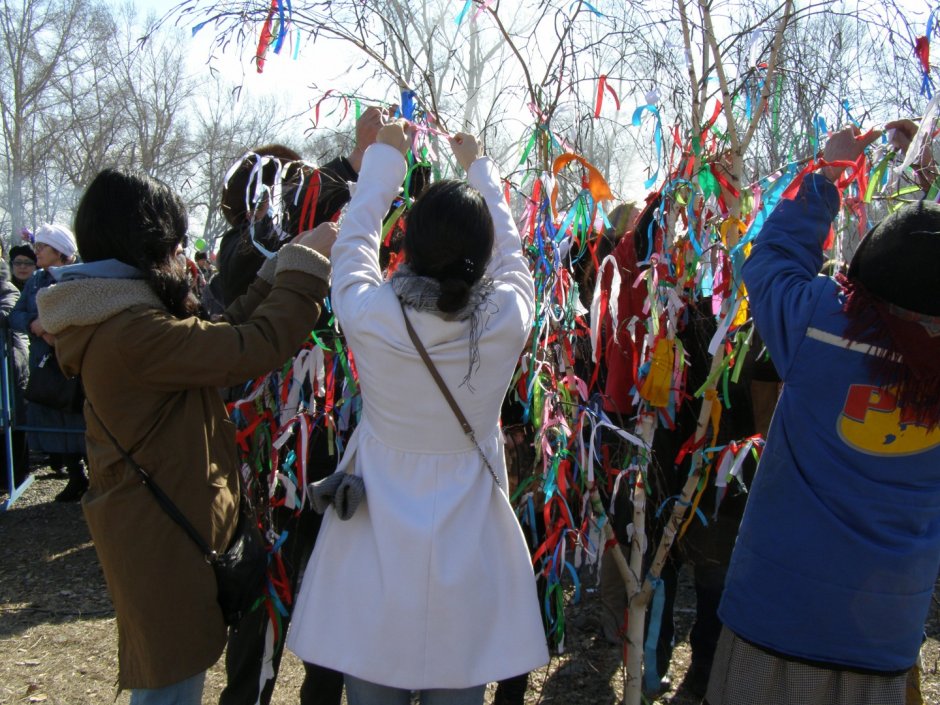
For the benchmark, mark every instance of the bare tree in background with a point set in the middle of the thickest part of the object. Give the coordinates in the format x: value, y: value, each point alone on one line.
x: 35, y: 36
x: 223, y: 129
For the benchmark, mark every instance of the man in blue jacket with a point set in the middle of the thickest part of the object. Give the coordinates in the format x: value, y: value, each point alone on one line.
x: 834, y: 567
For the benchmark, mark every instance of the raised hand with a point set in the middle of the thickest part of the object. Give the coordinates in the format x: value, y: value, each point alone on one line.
x: 397, y: 134
x: 320, y: 239
x: 466, y: 149
x: 367, y: 128
x: 845, y: 146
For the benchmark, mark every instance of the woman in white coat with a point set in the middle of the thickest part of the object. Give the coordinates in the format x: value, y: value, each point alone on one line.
x: 429, y: 586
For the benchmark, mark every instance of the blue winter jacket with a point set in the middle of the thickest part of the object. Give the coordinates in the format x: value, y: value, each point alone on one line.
x: 840, y: 543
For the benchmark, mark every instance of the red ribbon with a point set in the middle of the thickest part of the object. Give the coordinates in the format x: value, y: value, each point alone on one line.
x: 603, y: 85
x: 265, y: 39
x: 922, y: 52
x: 309, y: 208
x: 844, y: 180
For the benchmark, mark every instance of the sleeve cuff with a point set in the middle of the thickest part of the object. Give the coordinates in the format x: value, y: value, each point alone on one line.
x: 482, y: 172
x: 384, y: 164
x: 824, y: 189
x: 268, y: 270
x: 298, y: 258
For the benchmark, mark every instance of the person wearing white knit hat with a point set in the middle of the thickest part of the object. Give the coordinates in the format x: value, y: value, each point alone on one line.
x: 54, y: 246
x: 60, y: 239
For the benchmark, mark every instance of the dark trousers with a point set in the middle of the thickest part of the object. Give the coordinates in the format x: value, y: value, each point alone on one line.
x: 245, y: 650
x: 703, y: 638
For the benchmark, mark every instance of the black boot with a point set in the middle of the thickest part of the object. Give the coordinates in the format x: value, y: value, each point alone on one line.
x: 77, y: 484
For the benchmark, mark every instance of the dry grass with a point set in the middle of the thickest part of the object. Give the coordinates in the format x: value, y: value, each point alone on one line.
x: 58, y: 641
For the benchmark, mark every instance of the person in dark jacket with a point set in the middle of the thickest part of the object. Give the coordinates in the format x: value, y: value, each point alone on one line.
x: 309, y: 197
x: 62, y: 434
x: 265, y: 195
x: 16, y: 355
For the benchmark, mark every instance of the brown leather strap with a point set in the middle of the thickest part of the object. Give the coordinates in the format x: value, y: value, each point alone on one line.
x: 464, y: 424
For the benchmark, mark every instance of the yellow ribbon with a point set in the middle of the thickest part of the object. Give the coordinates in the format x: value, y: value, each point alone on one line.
x: 711, y: 396
x: 658, y: 383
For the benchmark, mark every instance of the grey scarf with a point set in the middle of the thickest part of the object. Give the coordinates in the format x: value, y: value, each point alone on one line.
x: 422, y: 293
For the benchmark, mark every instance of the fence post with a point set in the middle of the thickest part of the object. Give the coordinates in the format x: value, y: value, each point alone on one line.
x: 7, y: 406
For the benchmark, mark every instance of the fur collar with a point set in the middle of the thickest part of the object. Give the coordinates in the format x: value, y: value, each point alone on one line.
x: 84, y: 302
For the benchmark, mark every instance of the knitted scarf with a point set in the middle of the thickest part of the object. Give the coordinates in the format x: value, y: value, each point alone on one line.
x: 422, y: 294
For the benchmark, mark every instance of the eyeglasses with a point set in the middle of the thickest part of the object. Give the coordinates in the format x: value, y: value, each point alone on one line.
x: 23, y: 262
x: 39, y: 247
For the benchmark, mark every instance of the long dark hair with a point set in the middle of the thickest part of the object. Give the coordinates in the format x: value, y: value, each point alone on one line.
x: 139, y: 221
x: 449, y: 237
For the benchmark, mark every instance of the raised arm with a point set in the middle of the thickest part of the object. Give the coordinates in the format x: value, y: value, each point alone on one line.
x: 781, y: 273
x: 507, y: 265
x: 356, y: 270
x: 319, y: 239
x: 168, y: 353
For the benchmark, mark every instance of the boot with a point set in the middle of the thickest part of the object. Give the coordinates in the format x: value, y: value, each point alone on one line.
x: 77, y: 484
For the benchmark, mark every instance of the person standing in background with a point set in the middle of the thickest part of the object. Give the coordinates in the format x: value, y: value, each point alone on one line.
x: 64, y: 442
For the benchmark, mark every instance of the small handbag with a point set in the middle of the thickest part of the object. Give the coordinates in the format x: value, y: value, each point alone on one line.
x: 240, y: 571
x: 48, y: 386
x: 341, y: 490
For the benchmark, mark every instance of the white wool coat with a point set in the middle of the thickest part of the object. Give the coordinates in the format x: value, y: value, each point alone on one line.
x: 429, y: 584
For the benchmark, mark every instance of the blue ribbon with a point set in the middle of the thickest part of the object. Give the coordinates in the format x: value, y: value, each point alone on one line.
x: 281, y: 29
x: 463, y: 13
x: 650, y: 670
x: 771, y: 198
x: 408, y: 104
x: 589, y: 6
x: 657, y: 137
x: 819, y: 127
x: 747, y: 98
x: 201, y: 25
x: 845, y: 106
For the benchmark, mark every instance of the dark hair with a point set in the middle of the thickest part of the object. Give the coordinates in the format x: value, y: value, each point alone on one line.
x: 240, y: 188
x: 201, y: 255
x: 449, y: 237
x: 296, y: 179
x: 24, y: 250
x: 139, y: 221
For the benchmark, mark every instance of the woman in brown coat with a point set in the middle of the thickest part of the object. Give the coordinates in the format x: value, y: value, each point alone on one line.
x: 151, y: 371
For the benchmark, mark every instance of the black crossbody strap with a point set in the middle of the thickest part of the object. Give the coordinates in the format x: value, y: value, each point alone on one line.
x: 165, y: 502
x: 464, y: 424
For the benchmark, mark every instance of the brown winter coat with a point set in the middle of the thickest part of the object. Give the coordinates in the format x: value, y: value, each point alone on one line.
x: 153, y: 379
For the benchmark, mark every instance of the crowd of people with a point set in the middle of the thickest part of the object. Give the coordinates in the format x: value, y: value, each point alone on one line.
x: 427, y: 584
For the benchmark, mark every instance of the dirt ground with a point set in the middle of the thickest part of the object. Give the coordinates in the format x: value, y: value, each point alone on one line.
x: 58, y: 639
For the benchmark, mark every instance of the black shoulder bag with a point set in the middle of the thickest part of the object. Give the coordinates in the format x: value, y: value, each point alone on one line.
x: 48, y: 386
x: 240, y: 571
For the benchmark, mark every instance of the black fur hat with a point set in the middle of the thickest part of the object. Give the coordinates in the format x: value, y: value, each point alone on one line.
x: 899, y: 260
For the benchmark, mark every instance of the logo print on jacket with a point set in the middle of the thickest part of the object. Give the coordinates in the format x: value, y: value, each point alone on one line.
x: 873, y: 423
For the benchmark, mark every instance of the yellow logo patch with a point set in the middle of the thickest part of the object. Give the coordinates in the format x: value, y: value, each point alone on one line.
x: 872, y: 422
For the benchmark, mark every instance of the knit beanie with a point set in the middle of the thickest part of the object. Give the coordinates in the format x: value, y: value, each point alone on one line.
x: 892, y: 298
x: 899, y: 260
x: 24, y: 250
x: 57, y: 237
